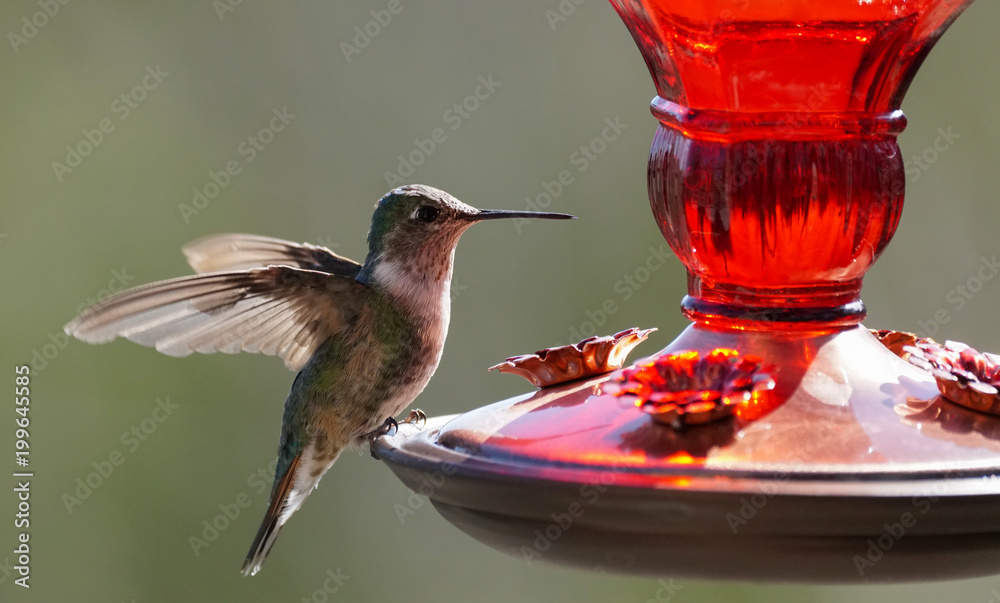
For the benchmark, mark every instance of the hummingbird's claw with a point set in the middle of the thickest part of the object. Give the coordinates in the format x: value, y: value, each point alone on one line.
x: 416, y: 417
x: 388, y: 426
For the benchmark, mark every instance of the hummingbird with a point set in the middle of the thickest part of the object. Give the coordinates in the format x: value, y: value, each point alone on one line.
x: 364, y: 339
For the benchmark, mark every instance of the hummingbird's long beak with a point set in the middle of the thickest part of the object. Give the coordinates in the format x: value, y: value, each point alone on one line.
x: 494, y: 214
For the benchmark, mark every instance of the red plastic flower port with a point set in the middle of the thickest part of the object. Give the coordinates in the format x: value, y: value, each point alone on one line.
x: 686, y: 389
x: 592, y: 356
x: 898, y: 341
x: 964, y: 376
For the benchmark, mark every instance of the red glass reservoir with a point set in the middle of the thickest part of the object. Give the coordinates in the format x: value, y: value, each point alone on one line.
x: 775, y: 175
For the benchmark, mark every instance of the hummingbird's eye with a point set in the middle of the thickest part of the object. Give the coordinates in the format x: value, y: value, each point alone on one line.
x: 426, y: 214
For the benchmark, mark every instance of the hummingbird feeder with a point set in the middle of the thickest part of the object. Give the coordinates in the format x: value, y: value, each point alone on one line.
x: 776, y: 438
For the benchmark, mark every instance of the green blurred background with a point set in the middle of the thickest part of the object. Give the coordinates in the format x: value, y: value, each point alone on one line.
x: 117, y: 216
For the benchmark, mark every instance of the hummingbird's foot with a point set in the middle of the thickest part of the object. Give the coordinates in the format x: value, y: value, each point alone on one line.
x: 416, y: 417
x: 390, y: 425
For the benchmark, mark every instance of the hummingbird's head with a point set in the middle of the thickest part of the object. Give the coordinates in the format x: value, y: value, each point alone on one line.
x: 415, y: 228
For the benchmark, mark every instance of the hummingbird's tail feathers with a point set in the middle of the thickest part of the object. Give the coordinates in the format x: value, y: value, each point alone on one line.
x: 287, y: 496
x: 226, y: 252
x: 271, y: 526
x: 278, y: 311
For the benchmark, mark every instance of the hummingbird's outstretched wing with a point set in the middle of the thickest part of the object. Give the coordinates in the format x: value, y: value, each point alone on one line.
x: 278, y: 310
x: 217, y: 253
